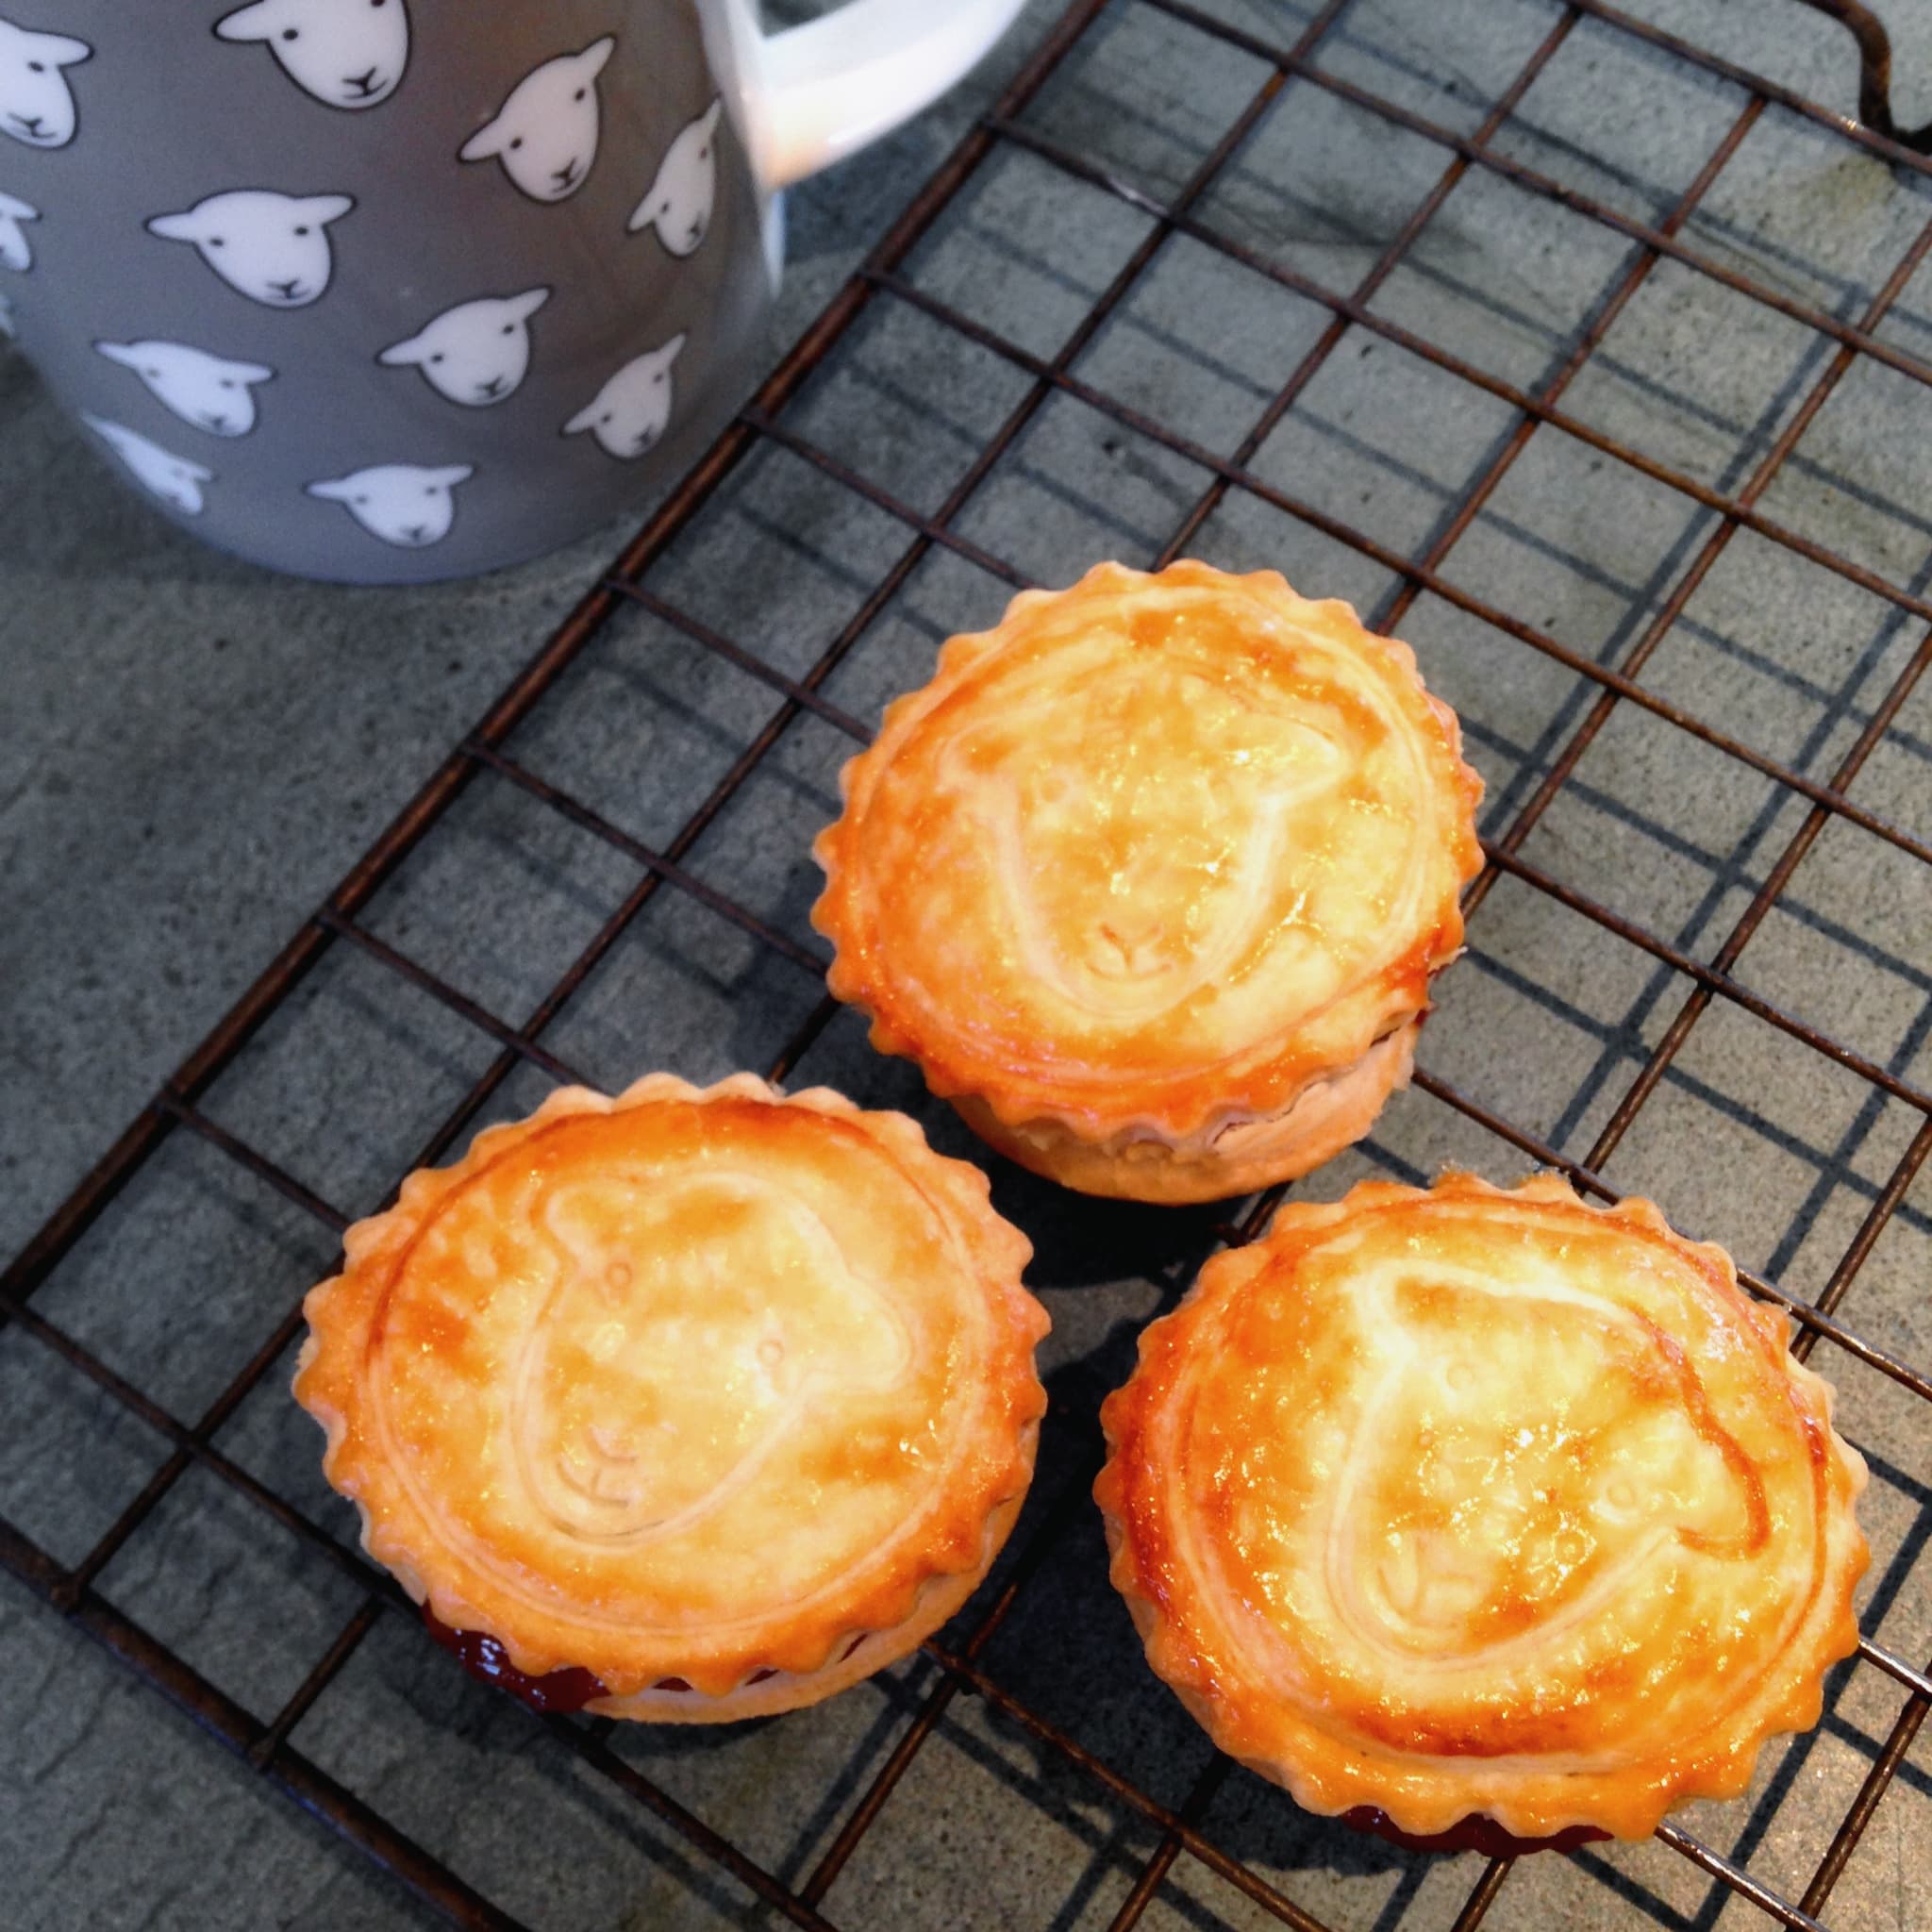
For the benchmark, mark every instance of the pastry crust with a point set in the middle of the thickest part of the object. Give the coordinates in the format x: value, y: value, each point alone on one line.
x: 1232, y: 1156
x: 1473, y: 1503
x: 1147, y: 864
x: 721, y: 1387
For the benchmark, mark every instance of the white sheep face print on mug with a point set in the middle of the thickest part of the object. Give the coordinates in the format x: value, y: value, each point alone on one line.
x: 173, y: 479
x: 36, y: 102
x: 272, y: 248
x: 545, y: 134
x: 16, y: 251
x: 209, y: 392
x: 346, y: 53
x: 679, y: 202
x: 477, y: 353
x: 631, y: 412
x: 404, y: 504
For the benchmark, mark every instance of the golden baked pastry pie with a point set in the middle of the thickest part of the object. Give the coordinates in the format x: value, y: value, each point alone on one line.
x: 1474, y: 1504
x: 686, y: 1406
x: 1151, y: 879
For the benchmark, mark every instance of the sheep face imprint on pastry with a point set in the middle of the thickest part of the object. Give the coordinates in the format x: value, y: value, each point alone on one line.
x: 1139, y: 866
x: 695, y: 1323
x: 1470, y: 1523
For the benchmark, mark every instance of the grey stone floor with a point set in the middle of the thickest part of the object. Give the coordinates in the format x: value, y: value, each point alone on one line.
x: 192, y: 754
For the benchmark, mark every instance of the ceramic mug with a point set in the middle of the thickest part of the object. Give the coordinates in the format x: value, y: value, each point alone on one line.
x: 385, y: 291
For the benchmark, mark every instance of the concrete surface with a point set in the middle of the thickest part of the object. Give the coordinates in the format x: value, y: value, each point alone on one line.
x: 192, y: 754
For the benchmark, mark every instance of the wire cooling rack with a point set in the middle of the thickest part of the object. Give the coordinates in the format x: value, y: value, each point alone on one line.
x: 1630, y: 486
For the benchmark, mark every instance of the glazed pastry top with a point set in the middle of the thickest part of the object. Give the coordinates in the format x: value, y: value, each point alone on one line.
x: 1152, y: 847
x: 1483, y: 1501
x: 690, y: 1383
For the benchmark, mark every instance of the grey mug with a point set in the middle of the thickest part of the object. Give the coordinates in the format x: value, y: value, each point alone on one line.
x: 385, y: 291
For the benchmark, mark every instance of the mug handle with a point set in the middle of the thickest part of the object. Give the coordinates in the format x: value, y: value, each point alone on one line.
x: 822, y: 91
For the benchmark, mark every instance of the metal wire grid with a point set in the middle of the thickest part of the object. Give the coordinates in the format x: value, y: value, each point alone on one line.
x: 1874, y: 75
x: 70, y: 1589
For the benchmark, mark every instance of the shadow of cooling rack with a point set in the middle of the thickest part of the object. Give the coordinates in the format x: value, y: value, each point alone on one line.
x: 1595, y: 362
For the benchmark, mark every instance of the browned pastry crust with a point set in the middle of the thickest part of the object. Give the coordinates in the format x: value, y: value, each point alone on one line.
x: 723, y: 1397
x: 1480, y: 1505
x: 1152, y: 878
x: 1235, y: 1157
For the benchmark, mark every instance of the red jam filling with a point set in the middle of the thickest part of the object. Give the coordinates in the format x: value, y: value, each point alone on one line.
x: 1474, y: 1833
x: 570, y: 1689
x: 483, y: 1657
